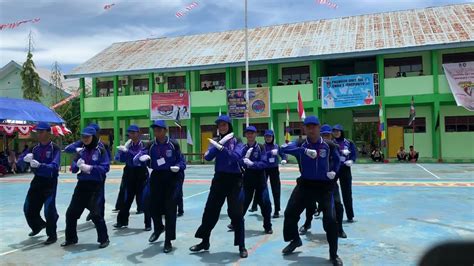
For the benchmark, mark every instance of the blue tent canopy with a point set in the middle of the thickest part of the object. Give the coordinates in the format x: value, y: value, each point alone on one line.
x: 26, y: 110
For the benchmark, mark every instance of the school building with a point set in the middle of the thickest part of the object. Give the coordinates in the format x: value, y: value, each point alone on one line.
x: 406, y: 49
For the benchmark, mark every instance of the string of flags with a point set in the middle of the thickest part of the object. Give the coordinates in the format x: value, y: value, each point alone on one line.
x: 25, y: 129
x: 327, y: 3
x: 18, y: 23
x: 186, y: 10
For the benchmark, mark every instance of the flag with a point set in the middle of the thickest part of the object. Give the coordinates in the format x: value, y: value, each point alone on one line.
x: 189, y: 138
x: 381, y: 125
x: 287, y: 125
x: 301, y: 113
x: 411, y: 119
x: 220, y: 113
x: 177, y: 121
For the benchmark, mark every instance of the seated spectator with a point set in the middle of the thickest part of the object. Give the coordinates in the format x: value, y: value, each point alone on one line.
x: 377, y: 155
x: 280, y: 82
x: 404, y: 74
x: 212, y: 87
x: 205, y: 88
x: 401, y: 154
x: 297, y: 82
x: 412, y: 155
x: 308, y: 81
x: 399, y: 74
x: 12, y: 161
x: 289, y: 82
x: 259, y: 84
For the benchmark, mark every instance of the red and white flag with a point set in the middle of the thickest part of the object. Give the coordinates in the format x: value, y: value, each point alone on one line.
x: 301, y: 112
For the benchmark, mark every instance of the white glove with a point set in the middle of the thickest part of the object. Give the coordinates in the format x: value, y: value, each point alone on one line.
x: 311, y: 153
x: 249, y: 153
x: 122, y: 148
x: 144, y: 158
x: 174, y: 169
x: 226, y: 138
x: 85, y: 168
x: 248, y: 162
x: 283, y: 162
x: 275, y: 152
x: 331, y: 175
x: 349, y: 163
x: 345, y: 152
x: 216, y: 144
x: 80, y: 162
x: 78, y: 150
x: 34, y: 164
x: 28, y: 157
x: 128, y: 143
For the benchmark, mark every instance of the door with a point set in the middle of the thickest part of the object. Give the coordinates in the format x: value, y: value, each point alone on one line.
x: 395, y: 140
x: 205, y: 135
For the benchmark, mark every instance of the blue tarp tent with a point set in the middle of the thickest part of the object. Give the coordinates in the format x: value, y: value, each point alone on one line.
x: 26, y: 110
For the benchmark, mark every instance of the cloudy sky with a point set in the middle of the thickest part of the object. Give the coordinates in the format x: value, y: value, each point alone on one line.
x: 71, y: 32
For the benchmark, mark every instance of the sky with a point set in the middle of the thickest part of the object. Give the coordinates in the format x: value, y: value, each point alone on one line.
x: 70, y: 32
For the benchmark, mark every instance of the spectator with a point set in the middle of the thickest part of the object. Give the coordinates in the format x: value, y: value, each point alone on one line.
x: 280, y: 82
x: 289, y: 82
x: 205, y: 88
x: 404, y: 74
x: 212, y: 87
x: 297, y: 82
x: 401, y: 154
x: 363, y: 150
x: 399, y: 74
x: 377, y: 155
x: 412, y: 155
x: 308, y: 81
x: 259, y: 84
x: 12, y: 161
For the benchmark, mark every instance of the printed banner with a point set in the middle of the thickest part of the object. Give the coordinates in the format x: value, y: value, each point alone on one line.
x: 347, y: 91
x: 170, y: 106
x: 259, y: 103
x: 460, y: 77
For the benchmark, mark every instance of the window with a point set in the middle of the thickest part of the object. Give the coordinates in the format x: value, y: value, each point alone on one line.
x: 400, y: 65
x: 214, y: 81
x: 106, y: 88
x: 261, y: 127
x: 459, y: 123
x: 458, y: 58
x: 255, y: 76
x: 140, y: 85
x: 300, y: 73
x: 176, y: 83
x: 177, y: 133
x: 420, y: 124
x: 296, y: 128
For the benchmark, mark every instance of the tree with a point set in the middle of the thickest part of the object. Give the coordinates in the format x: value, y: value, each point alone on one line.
x: 29, y: 78
x: 55, y: 83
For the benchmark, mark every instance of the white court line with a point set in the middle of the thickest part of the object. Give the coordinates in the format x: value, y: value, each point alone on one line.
x: 61, y: 236
x: 428, y: 171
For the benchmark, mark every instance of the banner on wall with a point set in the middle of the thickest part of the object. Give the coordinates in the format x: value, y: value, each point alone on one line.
x: 347, y: 91
x: 259, y: 103
x: 460, y: 78
x: 170, y: 106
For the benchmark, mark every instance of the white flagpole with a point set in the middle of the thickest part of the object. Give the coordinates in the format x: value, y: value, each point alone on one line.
x: 246, y: 68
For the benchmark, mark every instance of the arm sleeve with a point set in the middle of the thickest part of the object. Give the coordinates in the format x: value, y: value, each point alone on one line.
x: 292, y: 148
x: 236, y: 153
x: 282, y: 154
x: 74, y: 167
x: 104, y: 166
x: 71, y: 148
x: 335, y: 159
x: 180, y: 159
x: 52, y: 168
x: 144, y: 151
x: 210, y: 153
x: 263, y: 162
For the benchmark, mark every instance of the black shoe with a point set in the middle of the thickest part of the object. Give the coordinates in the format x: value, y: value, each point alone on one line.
x: 304, y: 229
x: 119, y: 225
x: 253, y: 209
x: 243, y: 253
x: 68, y: 243
x: 155, y: 236
x: 50, y: 240
x: 180, y: 214
x: 147, y: 228
x: 351, y: 220
x: 104, y: 244
x: 168, y: 247
x: 276, y: 215
x: 37, y: 231
x: 292, y: 246
x: 268, y: 231
x: 336, y: 261
x: 89, y: 217
x: 342, y: 234
x: 199, y: 247
x: 230, y: 227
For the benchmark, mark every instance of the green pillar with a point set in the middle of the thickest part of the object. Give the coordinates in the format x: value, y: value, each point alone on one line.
x: 188, y: 80
x: 196, y: 81
x: 197, y: 134
x: 151, y: 82
x: 237, y: 129
x: 189, y: 126
x: 228, y: 78
x: 272, y: 81
x: 161, y: 86
x: 94, y: 87
x: 385, y: 149
x: 436, y: 132
x: 127, y: 124
x: 127, y: 87
x: 276, y: 128
x: 116, y: 135
x: 116, y: 82
x: 82, y: 94
x: 381, y: 72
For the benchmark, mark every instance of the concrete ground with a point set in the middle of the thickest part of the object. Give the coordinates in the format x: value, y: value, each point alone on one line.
x: 401, y: 210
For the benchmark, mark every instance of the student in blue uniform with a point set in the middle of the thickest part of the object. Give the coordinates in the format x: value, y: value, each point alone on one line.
x: 44, y: 160
x: 134, y: 177
x: 91, y: 164
x: 348, y: 153
x: 226, y: 184
x: 318, y: 163
x: 164, y: 156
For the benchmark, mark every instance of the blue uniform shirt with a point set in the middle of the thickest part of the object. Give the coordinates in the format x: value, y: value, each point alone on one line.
x: 273, y: 159
x: 163, y: 155
x: 98, y: 159
x: 49, y: 156
x: 228, y: 160
x: 129, y: 156
x: 314, y: 169
x: 345, y: 144
x: 71, y: 148
x: 258, y: 157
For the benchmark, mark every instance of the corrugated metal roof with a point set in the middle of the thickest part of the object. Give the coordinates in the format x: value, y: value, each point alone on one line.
x: 392, y: 30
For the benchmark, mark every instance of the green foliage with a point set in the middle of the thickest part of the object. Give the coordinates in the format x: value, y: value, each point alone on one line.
x: 30, y: 80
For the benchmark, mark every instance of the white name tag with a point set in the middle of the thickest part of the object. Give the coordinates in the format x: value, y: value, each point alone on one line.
x: 160, y: 161
x: 271, y: 160
x: 342, y: 158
